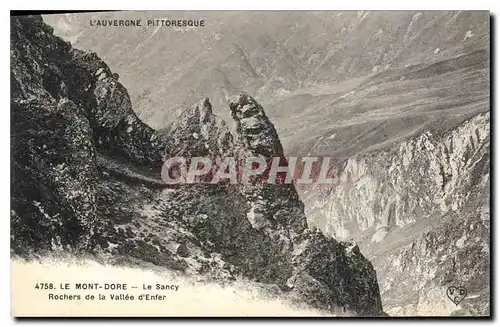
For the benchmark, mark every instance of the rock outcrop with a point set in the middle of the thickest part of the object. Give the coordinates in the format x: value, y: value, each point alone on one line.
x: 416, y: 209
x: 86, y: 178
x: 283, y: 58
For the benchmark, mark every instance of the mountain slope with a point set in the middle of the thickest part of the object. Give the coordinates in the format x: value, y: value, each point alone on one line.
x: 86, y: 180
x: 399, y: 100
x: 281, y: 58
x: 420, y: 211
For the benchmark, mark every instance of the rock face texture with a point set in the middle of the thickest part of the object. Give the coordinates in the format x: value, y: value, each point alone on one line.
x: 198, y: 132
x: 399, y: 100
x: 85, y: 178
x: 421, y: 213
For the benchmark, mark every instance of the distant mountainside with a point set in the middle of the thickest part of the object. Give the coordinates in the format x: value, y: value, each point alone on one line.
x: 318, y: 73
x: 421, y: 212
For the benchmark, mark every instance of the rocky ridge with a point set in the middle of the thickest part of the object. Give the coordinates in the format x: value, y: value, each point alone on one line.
x: 420, y: 213
x: 84, y: 167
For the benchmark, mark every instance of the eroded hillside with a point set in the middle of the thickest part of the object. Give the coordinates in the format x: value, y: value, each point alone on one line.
x: 85, y: 180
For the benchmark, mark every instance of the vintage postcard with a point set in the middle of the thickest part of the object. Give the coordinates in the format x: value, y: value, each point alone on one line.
x: 250, y: 164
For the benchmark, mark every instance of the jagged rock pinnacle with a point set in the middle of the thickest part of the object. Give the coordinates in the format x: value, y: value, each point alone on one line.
x: 61, y: 196
x: 254, y: 128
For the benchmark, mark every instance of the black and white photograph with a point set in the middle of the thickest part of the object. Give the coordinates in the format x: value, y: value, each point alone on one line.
x: 250, y: 164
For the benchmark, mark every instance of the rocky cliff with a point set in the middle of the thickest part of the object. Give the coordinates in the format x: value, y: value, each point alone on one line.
x: 85, y: 179
x: 398, y: 100
x: 421, y: 212
x: 297, y: 61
